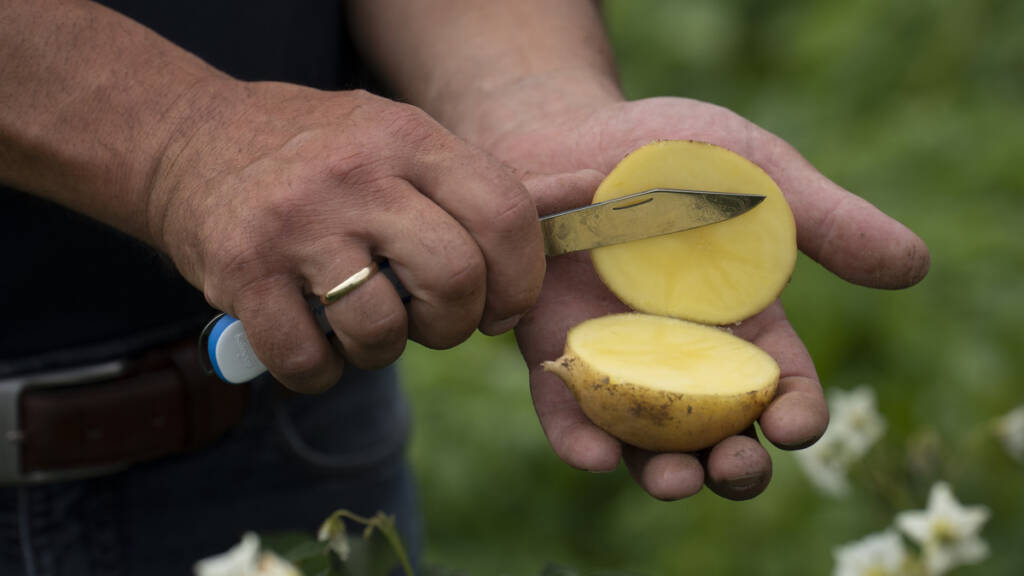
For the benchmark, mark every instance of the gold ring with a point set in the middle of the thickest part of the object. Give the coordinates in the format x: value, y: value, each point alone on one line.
x: 351, y: 283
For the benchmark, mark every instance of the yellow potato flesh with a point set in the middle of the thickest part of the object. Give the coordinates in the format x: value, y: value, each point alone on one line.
x: 717, y: 274
x: 664, y: 384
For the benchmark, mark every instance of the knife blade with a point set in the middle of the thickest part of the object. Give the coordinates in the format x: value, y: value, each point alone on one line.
x: 224, y: 345
x: 638, y: 216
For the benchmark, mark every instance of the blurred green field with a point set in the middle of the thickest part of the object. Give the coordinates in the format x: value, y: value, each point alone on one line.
x: 916, y: 106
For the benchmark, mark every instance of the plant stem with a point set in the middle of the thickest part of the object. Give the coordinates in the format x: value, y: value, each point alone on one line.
x: 386, y: 525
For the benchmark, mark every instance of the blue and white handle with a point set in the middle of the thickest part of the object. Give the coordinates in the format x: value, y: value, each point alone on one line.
x: 231, y: 356
x: 226, y: 345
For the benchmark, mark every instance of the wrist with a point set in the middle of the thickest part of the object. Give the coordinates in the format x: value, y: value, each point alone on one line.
x: 490, y: 114
x: 485, y: 68
x: 203, y: 108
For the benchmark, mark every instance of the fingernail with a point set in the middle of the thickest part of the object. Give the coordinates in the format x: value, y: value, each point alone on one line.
x: 505, y: 325
x: 746, y: 482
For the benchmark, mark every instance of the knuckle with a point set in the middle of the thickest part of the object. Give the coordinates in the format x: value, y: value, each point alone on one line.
x: 234, y: 281
x: 382, y: 331
x: 513, y: 215
x: 356, y: 163
x: 378, y: 357
x: 409, y: 124
x: 296, y: 363
x: 512, y: 301
x: 511, y: 304
x: 449, y: 335
x: 238, y: 270
x: 465, y: 278
x: 374, y: 141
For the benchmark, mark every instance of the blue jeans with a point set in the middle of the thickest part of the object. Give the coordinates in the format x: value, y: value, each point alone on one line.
x: 293, y: 461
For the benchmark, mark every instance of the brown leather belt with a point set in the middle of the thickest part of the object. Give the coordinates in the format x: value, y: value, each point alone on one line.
x: 95, y: 419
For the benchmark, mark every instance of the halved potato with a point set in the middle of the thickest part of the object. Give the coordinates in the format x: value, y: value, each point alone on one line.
x: 717, y: 274
x: 665, y: 384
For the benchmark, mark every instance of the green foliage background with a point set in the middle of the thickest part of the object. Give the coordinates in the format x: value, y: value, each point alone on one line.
x: 918, y: 107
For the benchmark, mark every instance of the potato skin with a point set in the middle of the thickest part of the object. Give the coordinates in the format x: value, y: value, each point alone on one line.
x: 658, y: 420
x: 711, y: 275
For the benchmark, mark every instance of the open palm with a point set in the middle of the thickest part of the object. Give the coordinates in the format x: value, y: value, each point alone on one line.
x: 840, y: 230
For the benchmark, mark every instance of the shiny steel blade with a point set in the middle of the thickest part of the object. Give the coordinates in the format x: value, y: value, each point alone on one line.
x: 637, y: 216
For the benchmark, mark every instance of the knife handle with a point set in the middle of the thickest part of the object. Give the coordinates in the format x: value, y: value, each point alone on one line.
x: 225, y: 349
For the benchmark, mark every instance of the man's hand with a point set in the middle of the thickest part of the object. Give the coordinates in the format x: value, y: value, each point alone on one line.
x: 286, y: 191
x: 264, y: 193
x: 533, y: 82
x: 843, y: 232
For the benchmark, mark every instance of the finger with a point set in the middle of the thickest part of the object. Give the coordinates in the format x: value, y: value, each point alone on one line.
x: 840, y: 230
x: 577, y: 441
x: 286, y: 338
x: 488, y: 200
x: 370, y: 321
x: 664, y: 476
x: 437, y: 262
x: 541, y: 333
x: 798, y: 415
x: 558, y: 192
x: 738, y: 468
x: 843, y: 232
x: 541, y: 336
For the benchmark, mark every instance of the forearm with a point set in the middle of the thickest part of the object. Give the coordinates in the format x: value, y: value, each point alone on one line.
x: 90, y: 102
x: 483, y: 66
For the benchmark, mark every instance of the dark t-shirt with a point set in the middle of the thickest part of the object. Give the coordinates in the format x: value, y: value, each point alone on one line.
x: 73, y: 290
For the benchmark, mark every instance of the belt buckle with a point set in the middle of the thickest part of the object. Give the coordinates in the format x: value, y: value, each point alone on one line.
x: 13, y: 437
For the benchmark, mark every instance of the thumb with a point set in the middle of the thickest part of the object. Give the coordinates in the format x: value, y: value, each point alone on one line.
x: 557, y: 192
x: 841, y: 231
x: 849, y: 236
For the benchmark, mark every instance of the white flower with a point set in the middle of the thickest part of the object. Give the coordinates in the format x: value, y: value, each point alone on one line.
x: 855, y: 426
x: 1010, y: 430
x: 240, y: 560
x: 273, y: 565
x: 332, y: 531
x: 947, y: 531
x: 855, y: 417
x: 825, y: 465
x: 245, y: 559
x: 881, y: 554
